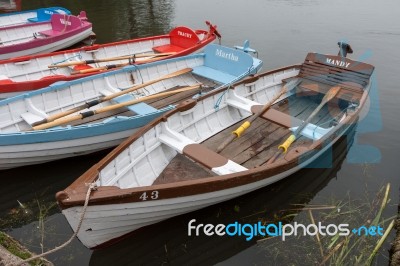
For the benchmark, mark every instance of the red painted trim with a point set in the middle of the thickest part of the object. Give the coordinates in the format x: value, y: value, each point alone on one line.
x: 37, y: 84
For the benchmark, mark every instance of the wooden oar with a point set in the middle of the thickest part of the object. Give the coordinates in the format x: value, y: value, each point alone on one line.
x: 85, y: 62
x: 107, y: 67
x: 285, y: 145
x: 68, y: 119
x: 109, y: 97
x: 95, y: 69
x: 239, y: 131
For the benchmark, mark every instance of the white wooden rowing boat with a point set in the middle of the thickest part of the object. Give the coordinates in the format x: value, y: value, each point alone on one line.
x: 172, y: 165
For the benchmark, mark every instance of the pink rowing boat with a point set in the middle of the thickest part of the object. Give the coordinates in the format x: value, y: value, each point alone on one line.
x: 60, y: 32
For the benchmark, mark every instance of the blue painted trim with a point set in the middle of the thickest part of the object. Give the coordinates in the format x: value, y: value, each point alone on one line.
x: 113, y: 125
x: 228, y: 60
x: 62, y: 84
x: 108, y: 126
x: 44, y: 14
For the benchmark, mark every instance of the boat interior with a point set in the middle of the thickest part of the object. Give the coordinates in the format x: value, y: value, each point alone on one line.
x: 173, y: 161
x: 151, y: 105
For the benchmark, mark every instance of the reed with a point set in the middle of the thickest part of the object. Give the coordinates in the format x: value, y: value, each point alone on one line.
x: 353, y: 249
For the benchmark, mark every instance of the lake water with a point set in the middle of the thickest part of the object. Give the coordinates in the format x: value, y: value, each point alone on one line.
x: 283, y: 32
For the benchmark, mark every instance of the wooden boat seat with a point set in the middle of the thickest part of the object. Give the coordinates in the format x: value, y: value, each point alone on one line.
x: 198, y: 153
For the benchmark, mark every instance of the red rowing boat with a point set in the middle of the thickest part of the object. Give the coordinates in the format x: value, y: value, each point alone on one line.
x: 21, y: 74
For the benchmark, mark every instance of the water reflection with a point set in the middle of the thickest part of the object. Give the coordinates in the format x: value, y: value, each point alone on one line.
x: 119, y: 20
x: 10, y: 5
x: 166, y: 242
x: 39, y: 221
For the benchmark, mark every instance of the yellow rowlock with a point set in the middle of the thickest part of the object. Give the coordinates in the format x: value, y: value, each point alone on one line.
x: 285, y: 146
x: 239, y: 131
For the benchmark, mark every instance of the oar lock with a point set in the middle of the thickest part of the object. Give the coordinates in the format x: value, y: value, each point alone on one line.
x: 239, y: 131
x: 131, y: 60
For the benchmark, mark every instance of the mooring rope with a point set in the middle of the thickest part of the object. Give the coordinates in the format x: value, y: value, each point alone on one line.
x: 92, y: 187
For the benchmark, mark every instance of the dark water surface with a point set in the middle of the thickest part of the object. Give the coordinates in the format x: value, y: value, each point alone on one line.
x: 283, y: 32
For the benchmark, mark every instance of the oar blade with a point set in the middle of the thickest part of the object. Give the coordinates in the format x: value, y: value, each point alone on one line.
x: 178, y: 73
x: 331, y: 93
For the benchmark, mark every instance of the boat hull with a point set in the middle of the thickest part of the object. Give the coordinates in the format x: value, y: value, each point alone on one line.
x: 34, y: 38
x: 28, y: 154
x: 20, y: 145
x: 172, y: 166
x: 103, y: 223
x: 27, y: 73
x: 50, y: 47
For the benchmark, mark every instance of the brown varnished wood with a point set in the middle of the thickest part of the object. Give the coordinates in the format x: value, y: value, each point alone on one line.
x: 249, y: 136
x: 335, y: 73
x: 355, y: 66
x: 204, y: 156
x: 345, y: 93
x: 272, y: 134
x: 280, y: 118
x: 182, y: 169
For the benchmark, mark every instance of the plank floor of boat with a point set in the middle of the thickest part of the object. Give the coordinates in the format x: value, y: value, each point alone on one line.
x: 256, y: 146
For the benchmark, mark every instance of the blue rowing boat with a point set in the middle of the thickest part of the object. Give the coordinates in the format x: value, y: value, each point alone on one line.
x: 25, y: 139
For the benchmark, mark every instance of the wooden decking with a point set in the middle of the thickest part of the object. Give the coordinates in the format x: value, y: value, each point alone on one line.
x: 180, y: 169
x: 261, y: 140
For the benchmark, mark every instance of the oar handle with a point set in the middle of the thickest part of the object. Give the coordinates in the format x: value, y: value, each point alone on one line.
x: 134, y: 88
x: 226, y: 142
x: 235, y: 134
x: 89, y: 113
x: 59, y: 115
x: 92, y: 61
x: 71, y: 63
x: 292, y: 138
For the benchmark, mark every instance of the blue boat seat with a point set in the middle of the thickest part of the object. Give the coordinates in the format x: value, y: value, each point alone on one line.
x: 211, y: 73
x: 138, y: 108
